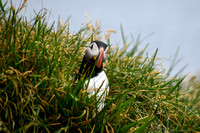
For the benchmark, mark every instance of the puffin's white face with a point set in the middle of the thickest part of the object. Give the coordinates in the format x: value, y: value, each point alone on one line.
x: 93, y: 51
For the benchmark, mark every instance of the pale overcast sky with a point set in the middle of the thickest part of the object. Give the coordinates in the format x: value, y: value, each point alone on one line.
x: 173, y: 22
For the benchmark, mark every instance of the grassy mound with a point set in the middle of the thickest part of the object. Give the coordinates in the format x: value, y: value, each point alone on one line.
x: 38, y: 92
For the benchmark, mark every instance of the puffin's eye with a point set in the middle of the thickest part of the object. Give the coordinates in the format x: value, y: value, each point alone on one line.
x: 91, y: 46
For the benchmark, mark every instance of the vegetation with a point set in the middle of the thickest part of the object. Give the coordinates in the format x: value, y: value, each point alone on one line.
x: 38, y: 92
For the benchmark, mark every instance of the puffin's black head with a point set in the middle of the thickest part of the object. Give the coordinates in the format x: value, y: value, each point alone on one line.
x: 95, y: 55
x: 97, y: 51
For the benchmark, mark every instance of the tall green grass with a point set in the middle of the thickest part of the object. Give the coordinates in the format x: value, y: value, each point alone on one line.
x: 38, y: 92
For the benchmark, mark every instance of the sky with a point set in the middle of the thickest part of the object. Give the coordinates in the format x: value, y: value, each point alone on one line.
x: 174, y: 23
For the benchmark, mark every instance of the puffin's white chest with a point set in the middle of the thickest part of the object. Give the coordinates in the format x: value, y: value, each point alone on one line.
x: 99, y: 85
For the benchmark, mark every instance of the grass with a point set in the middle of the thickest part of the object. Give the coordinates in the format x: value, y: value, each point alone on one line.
x: 38, y: 92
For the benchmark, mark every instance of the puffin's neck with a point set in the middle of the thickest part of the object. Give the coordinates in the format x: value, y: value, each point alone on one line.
x: 87, y: 67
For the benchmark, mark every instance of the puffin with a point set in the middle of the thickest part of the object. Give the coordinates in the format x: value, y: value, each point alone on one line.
x: 91, y: 69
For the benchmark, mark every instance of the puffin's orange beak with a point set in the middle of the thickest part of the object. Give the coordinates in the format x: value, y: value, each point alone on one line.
x: 100, y: 60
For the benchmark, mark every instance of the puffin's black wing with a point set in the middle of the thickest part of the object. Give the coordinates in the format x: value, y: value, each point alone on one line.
x: 78, y: 76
